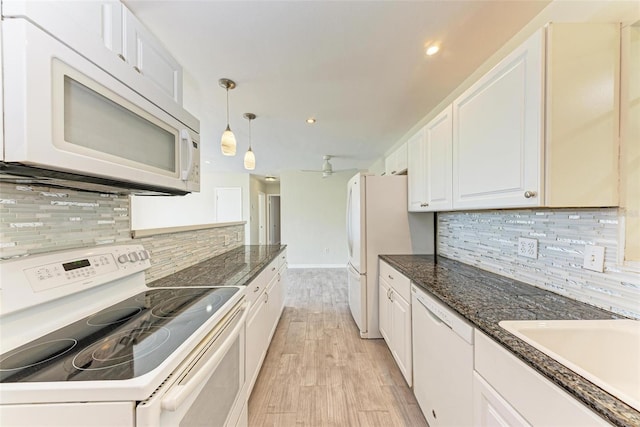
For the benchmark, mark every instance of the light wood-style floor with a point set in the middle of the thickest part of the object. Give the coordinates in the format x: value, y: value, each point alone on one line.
x: 318, y: 372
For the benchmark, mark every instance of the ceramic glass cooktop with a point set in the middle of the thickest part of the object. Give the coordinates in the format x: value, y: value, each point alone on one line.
x: 121, y: 342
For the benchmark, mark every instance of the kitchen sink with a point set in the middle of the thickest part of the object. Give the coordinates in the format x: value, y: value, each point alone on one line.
x: 605, y: 352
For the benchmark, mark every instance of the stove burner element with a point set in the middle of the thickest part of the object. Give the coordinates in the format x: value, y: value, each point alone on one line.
x: 121, y: 348
x: 111, y: 317
x: 36, y: 354
x: 185, y: 304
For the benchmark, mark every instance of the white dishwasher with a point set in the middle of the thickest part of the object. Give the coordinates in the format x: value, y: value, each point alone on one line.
x: 442, y: 362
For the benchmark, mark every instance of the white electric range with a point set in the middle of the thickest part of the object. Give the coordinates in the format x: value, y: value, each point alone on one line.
x: 84, y: 342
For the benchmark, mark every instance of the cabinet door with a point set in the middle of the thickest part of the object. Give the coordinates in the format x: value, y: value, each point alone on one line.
x: 497, y: 133
x: 401, y: 158
x: 384, y: 307
x: 390, y: 164
x: 149, y: 58
x: 401, y: 335
x: 438, y: 161
x: 490, y: 409
x: 417, y: 173
x: 257, y: 339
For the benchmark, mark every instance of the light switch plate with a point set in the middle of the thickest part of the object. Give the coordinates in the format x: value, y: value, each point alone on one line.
x: 528, y: 247
x: 594, y: 258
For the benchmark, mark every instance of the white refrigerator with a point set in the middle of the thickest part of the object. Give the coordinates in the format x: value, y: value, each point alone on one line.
x: 378, y: 223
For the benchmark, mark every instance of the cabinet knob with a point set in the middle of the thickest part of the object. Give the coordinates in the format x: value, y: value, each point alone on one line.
x: 530, y: 194
x: 122, y: 57
x: 393, y: 172
x: 424, y: 205
x: 135, y: 67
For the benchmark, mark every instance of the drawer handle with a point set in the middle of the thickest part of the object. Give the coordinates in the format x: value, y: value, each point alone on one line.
x: 256, y: 289
x: 137, y: 69
x: 424, y: 205
x: 390, y: 276
x: 530, y: 194
x: 273, y: 269
x: 121, y: 57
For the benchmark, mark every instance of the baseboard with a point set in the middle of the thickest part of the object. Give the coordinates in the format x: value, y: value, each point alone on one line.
x: 317, y: 266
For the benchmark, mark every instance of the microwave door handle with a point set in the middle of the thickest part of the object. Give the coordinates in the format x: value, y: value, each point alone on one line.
x: 186, y: 138
x: 174, y: 398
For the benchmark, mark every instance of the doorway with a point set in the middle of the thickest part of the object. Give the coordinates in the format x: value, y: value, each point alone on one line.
x: 262, y: 219
x: 273, y: 219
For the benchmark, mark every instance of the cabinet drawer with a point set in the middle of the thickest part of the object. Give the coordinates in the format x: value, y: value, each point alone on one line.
x: 400, y: 283
x: 255, y: 289
x: 282, y: 259
x: 271, y: 270
x: 534, y: 397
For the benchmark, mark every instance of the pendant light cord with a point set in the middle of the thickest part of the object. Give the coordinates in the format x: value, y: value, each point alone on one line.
x: 227, y: 106
x: 249, y: 134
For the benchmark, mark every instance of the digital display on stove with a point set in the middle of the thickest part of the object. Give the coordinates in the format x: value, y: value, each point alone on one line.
x: 76, y: 264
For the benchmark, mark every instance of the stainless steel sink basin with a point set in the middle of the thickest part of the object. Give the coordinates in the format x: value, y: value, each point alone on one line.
x: 605, y: 352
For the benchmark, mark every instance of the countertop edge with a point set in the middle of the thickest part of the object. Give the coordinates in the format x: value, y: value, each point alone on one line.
x: 599, y: 401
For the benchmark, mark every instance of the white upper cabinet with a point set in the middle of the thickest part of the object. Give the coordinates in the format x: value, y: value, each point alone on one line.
x: 396, y: 162
x: 417, y: 173
x: 149, y: 58
x: 430, y: 165
x: 497, y: 144
x: 540, y: 129
x: 132, y: 53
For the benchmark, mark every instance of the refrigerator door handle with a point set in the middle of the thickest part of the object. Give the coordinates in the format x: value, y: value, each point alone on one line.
x: 349, y: 225
x: 352, y: 269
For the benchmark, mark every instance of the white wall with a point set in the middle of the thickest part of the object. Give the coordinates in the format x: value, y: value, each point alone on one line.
x: 313, y: 218
x: 195, y: 208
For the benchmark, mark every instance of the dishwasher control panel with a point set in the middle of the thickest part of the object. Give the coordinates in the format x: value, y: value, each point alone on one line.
x: 443, y: 314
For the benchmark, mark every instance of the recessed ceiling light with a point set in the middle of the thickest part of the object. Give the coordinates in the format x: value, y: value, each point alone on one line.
x: 270, y: 178
x: 433, y: 49
x: 311, y: 120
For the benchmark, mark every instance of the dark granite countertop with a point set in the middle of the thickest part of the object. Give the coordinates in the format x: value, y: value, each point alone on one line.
x: 237, y: 267
x: 485, y: 298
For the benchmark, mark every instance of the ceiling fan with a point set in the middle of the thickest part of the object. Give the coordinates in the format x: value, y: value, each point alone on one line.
x: 327, y: 167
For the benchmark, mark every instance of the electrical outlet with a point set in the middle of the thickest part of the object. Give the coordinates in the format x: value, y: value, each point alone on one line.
x: 528, y: 247
x: 594, y: 258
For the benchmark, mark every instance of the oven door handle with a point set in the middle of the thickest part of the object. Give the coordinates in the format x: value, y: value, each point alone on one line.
x: 174, y: 398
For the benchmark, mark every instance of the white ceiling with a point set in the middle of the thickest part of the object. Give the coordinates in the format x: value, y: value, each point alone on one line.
x: 357, y: 66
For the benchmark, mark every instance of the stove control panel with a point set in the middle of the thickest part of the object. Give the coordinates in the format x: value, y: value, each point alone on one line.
x: 53, y: 275
x: 66, y: 271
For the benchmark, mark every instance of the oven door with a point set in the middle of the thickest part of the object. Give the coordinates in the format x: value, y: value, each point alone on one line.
x: 208, y: 389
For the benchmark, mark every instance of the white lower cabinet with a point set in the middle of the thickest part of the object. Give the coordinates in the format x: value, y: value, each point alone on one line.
x: 257, y: 339
x: 266, y: 294
x: 490, y: 409
x: 507, y: 392
x: 394, y: 317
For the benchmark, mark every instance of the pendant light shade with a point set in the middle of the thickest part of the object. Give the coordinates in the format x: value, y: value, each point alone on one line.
x: 228, y: 141
x: 249, y: 160
x: 249, y: 157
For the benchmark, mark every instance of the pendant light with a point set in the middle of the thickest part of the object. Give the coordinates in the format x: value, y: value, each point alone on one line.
x: 249, y: 157
x: 228, y: 141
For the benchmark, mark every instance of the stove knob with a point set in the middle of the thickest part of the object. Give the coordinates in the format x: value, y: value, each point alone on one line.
x: 143, y: 255
x: 133, y: 257
x: 122, y: 259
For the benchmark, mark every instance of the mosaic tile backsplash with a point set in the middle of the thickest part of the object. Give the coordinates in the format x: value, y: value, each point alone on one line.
x: 489, y: 240
x: 40, y: 219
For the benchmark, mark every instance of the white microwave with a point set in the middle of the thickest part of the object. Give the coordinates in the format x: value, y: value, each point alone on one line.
x: 69, y: 123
